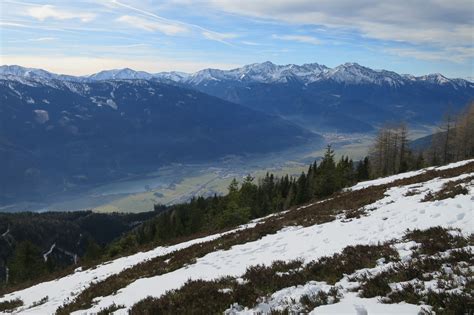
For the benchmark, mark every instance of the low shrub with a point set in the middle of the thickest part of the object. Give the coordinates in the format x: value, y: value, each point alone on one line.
x: 10, y: 305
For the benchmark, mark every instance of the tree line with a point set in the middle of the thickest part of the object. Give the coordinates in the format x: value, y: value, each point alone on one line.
x: 245, y: 201
x: 453, y: 141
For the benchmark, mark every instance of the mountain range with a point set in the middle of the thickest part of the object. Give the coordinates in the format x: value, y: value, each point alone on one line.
x: 61, y: 132
x: 346, y: 98
x: 266, y: 72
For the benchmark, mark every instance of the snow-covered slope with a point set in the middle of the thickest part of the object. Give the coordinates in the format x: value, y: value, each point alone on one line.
x: 175, y: 76
x: 265, y: 72
x: 348, y: 73
x: 353, y: 73
x: 120, y: 74
x: 15, y: 71
x: 389, y: 179
x: 385, y: 219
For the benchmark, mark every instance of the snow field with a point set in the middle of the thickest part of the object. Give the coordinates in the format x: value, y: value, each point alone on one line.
x: 65, y: 289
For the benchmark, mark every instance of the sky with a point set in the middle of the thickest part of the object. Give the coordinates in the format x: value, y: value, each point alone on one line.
x: 84, y: 37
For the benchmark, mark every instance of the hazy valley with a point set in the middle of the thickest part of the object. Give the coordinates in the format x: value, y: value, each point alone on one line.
x: 166, y: 120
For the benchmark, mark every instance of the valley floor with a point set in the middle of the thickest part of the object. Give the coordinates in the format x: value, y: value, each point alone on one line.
x: 417, y: 200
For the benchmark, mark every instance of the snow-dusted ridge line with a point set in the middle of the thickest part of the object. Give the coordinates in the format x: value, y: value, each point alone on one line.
x: 265, y: 72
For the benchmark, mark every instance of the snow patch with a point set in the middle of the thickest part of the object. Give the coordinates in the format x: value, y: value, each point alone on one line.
x: 112, y: 104
x: 41, y: 116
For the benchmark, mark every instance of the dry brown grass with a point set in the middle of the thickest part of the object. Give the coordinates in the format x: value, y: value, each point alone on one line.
x: 449, y: 190
x: 10, y: 305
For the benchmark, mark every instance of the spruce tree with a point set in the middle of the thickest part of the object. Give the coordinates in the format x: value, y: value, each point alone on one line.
x: 327, y: 179
x: 363, y: 170
x: 27, y: 263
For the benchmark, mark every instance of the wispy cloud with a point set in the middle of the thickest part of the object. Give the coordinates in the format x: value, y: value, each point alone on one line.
x: 4, y: 23
x: 410, y: 36
x: 151, y: 26
x: 454, y: 54
x: 35, y: 27
x: 129, y: 46
x: 47, y: 11
x: 42, y: 39
x: 433, y: 22
x: 207, y: 33
x: 299, y: 38
x: 250, y: 43
x: 39, y: 39
x: 218, y: 36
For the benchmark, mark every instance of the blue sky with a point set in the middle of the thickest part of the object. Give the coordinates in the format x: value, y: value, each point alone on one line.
x: 83, y: 37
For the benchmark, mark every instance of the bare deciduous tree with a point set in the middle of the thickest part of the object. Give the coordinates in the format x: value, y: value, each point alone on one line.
x: 389, y: 153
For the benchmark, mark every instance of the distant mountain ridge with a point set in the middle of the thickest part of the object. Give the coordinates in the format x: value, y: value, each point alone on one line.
x: 266, y: 72
x: 346, y: 98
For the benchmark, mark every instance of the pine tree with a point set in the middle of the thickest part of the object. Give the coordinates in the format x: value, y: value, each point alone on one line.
x: 363, y: 169
x: 327, y: 177
x: 420, y: 161
x: 27, y: 263
x: 93, y: 251
x: 233, y: 187
x: 302, y: 193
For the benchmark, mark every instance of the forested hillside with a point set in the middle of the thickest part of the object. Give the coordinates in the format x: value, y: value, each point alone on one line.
x: 33, y: 245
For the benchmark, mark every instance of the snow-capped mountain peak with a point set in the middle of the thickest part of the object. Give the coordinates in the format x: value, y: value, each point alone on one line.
x: 125, y: 73
x: 266, y: 72
x: 171, y: 75
x: 31, y: 73
x: 22, y: 71
x: 353, y: 73
x: 435, y: 78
